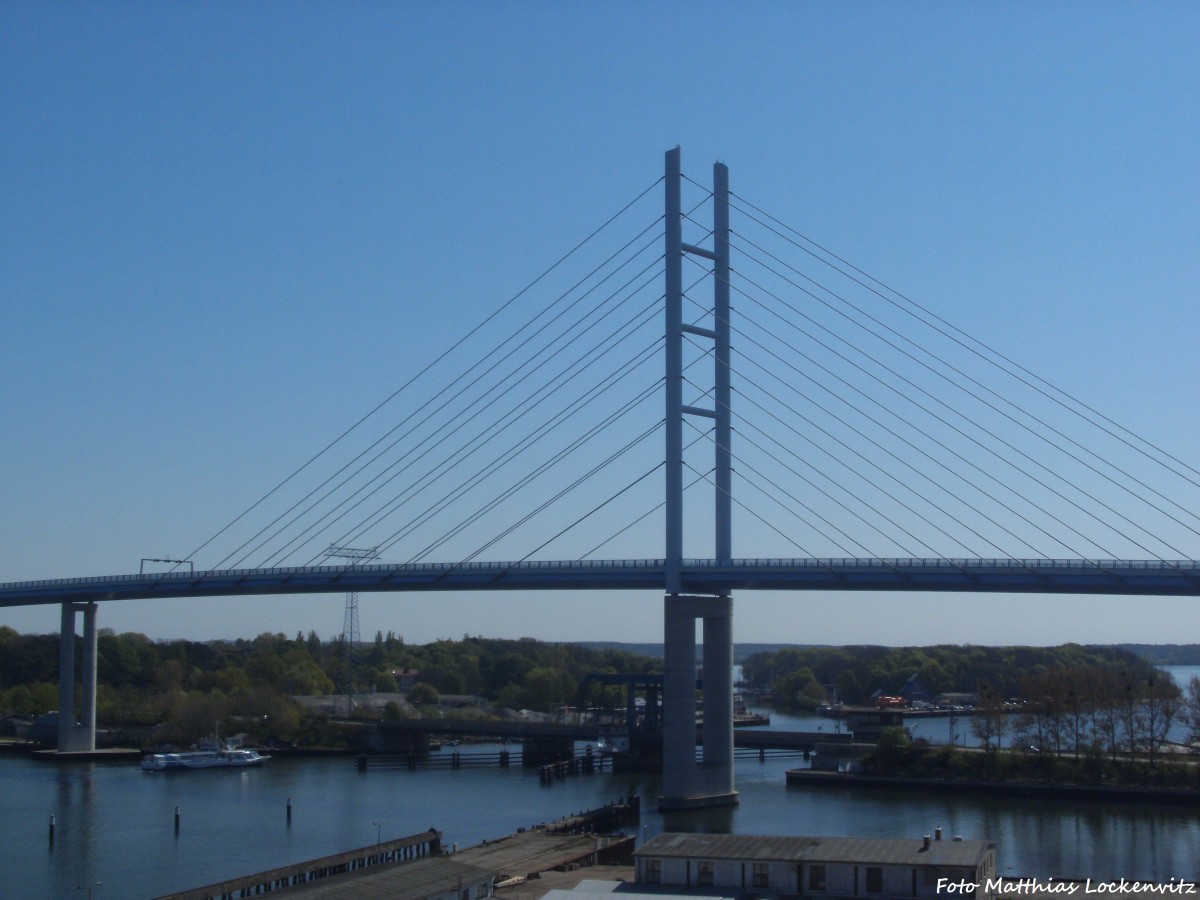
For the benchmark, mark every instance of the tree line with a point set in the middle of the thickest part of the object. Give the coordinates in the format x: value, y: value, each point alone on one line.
x: 1083, y: 725
x: 801, y: 678
x: 186, y: 686
x: 1068, y: 713
x: 1114, y: 710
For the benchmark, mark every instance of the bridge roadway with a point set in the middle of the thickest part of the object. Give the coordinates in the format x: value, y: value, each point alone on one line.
x: 700, y: 576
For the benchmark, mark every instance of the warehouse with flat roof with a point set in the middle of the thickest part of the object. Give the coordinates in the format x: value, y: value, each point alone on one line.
x: 819, y: 867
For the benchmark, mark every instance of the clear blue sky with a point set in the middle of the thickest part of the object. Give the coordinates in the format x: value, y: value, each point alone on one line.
x: 227, y: 230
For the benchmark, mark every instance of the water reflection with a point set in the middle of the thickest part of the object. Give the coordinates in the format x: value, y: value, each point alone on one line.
x: 75, y: 832
x: 115, y: 823
x: 718, y: 820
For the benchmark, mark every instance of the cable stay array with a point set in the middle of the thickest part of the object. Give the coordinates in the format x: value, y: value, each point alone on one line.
x: 542, y: 411
x: 866, y: 426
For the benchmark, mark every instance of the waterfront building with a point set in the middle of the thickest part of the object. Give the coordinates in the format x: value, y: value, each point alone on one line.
x: 818, y: 867
x: 604, y: 890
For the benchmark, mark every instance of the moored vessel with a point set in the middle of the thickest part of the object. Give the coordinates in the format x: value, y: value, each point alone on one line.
x: 209, y: 754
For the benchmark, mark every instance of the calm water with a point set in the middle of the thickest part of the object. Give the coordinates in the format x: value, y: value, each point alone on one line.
x: 115, y: 824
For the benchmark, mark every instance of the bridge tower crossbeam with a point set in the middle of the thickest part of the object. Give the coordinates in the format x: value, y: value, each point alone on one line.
x: 686, y: 783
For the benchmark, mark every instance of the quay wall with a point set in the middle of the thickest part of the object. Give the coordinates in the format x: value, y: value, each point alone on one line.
x: 416, y: 846
x: 1130, y: 794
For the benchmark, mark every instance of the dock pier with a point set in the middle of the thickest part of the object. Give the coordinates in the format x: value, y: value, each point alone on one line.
x: 386, y: 868
x: 414, y: 847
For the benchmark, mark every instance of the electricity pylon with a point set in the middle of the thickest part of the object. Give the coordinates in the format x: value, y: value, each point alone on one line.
x: 351, y: 637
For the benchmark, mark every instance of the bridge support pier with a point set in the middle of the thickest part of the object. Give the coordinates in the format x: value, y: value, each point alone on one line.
x: 72, y: 737
x: 688, y: 784
x: 546, y: 750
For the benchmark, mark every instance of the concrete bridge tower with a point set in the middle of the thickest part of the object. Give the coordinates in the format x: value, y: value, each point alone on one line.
x: 688, y: 784
x: 77, y: 736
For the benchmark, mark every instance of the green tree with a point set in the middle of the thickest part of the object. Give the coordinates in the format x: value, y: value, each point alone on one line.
x: 849, y: 689
x: 548, y: 687
x: 30, y: 699
x: 227, y: 680
x: 300, y: 674
x: 194, y: 716
x: 893, y: 751
x: 798, y: 690
x: 424, y: 694
x: 989, y: 721
x: 384, y: 681
x: 1161, y: 702
x: 393, y: 712
x: 1191, y: 709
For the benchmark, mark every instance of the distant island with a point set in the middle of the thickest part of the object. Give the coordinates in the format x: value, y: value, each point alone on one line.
x: 1166, y: 654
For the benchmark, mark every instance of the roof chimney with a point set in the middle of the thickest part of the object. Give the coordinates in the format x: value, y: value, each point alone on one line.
x: 937, y: 833
x: 925, y: 843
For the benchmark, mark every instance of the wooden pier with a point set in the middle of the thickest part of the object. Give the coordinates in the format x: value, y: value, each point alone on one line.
x: 583, y: 762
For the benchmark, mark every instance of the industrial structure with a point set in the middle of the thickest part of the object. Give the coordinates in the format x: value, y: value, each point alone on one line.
x: 925, y: 867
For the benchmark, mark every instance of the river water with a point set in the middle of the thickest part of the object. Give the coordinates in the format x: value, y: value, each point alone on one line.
x: 115, y: 824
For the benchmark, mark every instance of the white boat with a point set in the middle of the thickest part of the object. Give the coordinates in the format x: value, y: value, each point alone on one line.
x: 209, y: 755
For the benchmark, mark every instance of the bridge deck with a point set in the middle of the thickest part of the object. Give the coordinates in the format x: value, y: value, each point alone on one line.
x: 1041, y: 576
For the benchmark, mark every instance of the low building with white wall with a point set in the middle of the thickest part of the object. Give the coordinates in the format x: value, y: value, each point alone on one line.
x: 819, y: 867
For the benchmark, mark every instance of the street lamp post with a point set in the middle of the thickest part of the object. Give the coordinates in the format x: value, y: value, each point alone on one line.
x: 378, y: 826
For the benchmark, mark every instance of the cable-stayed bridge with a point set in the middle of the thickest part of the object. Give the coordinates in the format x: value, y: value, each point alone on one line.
x: 699, y: 576
x: 583, y: 437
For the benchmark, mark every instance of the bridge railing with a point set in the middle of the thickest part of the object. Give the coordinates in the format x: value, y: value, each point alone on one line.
x: 378, y: 568
x: 1189, y: 566
x: 1186, y: 565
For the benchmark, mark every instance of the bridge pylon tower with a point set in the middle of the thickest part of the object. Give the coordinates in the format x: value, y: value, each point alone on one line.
x: 77, y: 736
x: 688, y: 784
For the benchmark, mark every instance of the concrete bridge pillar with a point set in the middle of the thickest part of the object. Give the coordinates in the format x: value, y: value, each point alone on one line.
x: 688, y: 784
x: 73, y: 738
x: 541, y: 751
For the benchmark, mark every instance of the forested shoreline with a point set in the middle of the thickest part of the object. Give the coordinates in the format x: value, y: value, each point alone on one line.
x: 184, y: 687
x: 803, y: 678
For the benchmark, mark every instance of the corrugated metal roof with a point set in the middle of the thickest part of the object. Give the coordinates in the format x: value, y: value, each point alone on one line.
x: 622, y: 892
x: 770, y: 848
